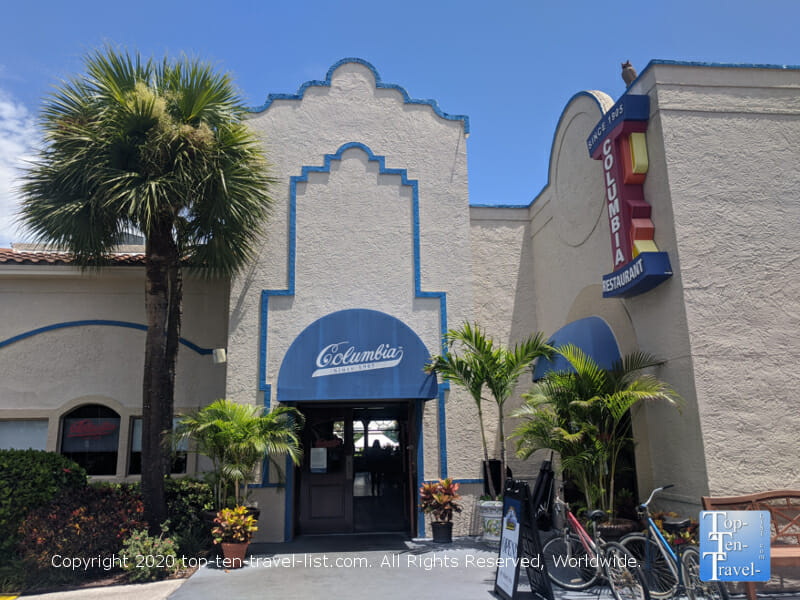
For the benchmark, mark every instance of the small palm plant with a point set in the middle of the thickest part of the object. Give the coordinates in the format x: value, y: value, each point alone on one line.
x: 236, y: 437
x: 479, y: 363
x: 584, y: 415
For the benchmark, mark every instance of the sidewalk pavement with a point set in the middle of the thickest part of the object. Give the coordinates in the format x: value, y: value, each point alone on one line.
x: 159, y: 590
x: 368, y: 567
x: 377, y: 567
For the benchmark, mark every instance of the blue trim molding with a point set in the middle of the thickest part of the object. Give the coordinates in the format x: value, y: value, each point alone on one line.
x: 418, y: 292
x: 96, y: 322
x: 290, y: 289
x: 378, y: 84
x: 420, y: 466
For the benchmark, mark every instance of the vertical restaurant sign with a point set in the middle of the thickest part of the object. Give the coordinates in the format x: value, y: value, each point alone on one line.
x: 619, y: 141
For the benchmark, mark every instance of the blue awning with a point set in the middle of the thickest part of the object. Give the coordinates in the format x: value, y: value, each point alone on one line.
x: 356, y: 354
x: 592, y: 335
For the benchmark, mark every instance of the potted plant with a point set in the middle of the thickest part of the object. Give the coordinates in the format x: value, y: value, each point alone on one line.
x: 233, y: 531
x: 237, y: 437
x: 584, y: 415
x: 479, y: 363
x: 438, y: 498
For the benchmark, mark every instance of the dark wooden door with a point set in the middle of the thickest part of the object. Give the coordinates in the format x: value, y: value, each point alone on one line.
x: 326, y: 477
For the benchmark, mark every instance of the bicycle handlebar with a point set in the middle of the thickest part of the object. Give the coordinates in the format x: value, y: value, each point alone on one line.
x: 654, y: 492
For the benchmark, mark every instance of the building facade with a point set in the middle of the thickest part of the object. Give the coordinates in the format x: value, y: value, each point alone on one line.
x: 667, y: 225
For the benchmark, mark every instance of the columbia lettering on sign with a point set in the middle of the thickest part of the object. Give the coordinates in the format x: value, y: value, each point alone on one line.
x: 356, y: 354
x: 619, y: 141
x: 343, y: 357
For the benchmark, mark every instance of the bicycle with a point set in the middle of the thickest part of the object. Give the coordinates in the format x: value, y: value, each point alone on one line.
x: 576, y: 561
x: 668, y: 574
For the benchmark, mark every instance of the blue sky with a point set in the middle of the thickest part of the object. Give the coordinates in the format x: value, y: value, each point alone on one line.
x: 510, y: 66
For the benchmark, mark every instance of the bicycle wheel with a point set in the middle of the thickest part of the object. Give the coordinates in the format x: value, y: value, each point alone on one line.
x: 568, y: 563
x: 695, y: 588
x: 623, y: 573
x: 659, y: 570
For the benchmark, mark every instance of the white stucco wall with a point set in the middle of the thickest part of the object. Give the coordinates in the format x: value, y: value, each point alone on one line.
x: 355, y: 240
x: 730, y: 143
x: 722, y: 188
x: 48, y: 374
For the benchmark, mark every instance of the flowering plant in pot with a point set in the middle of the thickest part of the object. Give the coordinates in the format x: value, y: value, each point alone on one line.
x: 438, y: 498
x: 234, y: 529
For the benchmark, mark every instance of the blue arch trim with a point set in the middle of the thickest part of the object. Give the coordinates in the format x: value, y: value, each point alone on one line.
x: 290, y: 289
x: 93, y: 322
x: 378, y: 84
x: 592, y: 335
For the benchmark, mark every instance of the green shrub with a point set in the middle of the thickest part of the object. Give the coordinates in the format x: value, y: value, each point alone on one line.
x: 148, y: 558
x: 186, y: 501
x: 88, y: 522
x: 30, y: 479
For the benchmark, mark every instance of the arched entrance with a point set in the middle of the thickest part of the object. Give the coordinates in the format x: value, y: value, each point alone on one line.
x: 357, y: 376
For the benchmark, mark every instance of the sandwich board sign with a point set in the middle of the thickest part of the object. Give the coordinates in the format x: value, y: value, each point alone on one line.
x: 520, y: 546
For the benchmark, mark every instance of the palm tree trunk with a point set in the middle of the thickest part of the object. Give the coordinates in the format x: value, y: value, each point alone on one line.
x: 486, y: 470
x: 501, y: 427
x: 159, y: 370
x: 173, y: 339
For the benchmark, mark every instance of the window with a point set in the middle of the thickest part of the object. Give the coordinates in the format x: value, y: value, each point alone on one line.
x: 135, y: 462
x: 22, y: 435
x: 90, y: 437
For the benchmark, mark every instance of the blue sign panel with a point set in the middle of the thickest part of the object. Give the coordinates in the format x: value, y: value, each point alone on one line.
x: 628, y: 108
x: 356, y: 354
x: 643, y: 273
x: 734, y: 545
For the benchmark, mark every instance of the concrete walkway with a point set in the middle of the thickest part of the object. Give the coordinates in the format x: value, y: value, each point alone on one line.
x: 159, y: 590
x: 375, y: 567
x: 367, y: 567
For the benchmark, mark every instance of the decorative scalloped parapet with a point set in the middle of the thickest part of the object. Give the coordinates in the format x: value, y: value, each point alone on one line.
x: 407, y: 99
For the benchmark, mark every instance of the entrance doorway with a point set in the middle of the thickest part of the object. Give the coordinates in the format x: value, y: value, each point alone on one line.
x: 358, y: 473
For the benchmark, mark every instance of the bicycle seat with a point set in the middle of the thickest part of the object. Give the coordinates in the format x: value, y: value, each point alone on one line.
x: 676, y: 526
x: 598, y: 515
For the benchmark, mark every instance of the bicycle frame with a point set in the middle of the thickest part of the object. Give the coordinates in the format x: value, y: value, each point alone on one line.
x: 573, y: 524
x: 586, y: 539
x: 653, y: 530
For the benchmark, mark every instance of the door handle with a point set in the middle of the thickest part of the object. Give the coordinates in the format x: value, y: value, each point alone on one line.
x: 348, y: 467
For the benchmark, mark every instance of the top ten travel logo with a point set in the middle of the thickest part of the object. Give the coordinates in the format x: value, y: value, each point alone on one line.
x: 734, y: 545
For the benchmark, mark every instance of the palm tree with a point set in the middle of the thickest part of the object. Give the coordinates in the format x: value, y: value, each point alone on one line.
x: 237, y: 436
x: 584, y: 415
x: 158, y: 148
x: 468, y: 372
x: 482, y: 363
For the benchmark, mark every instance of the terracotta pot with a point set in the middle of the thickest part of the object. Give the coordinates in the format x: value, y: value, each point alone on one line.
x: 442, y: 532
x: 234, y: 554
